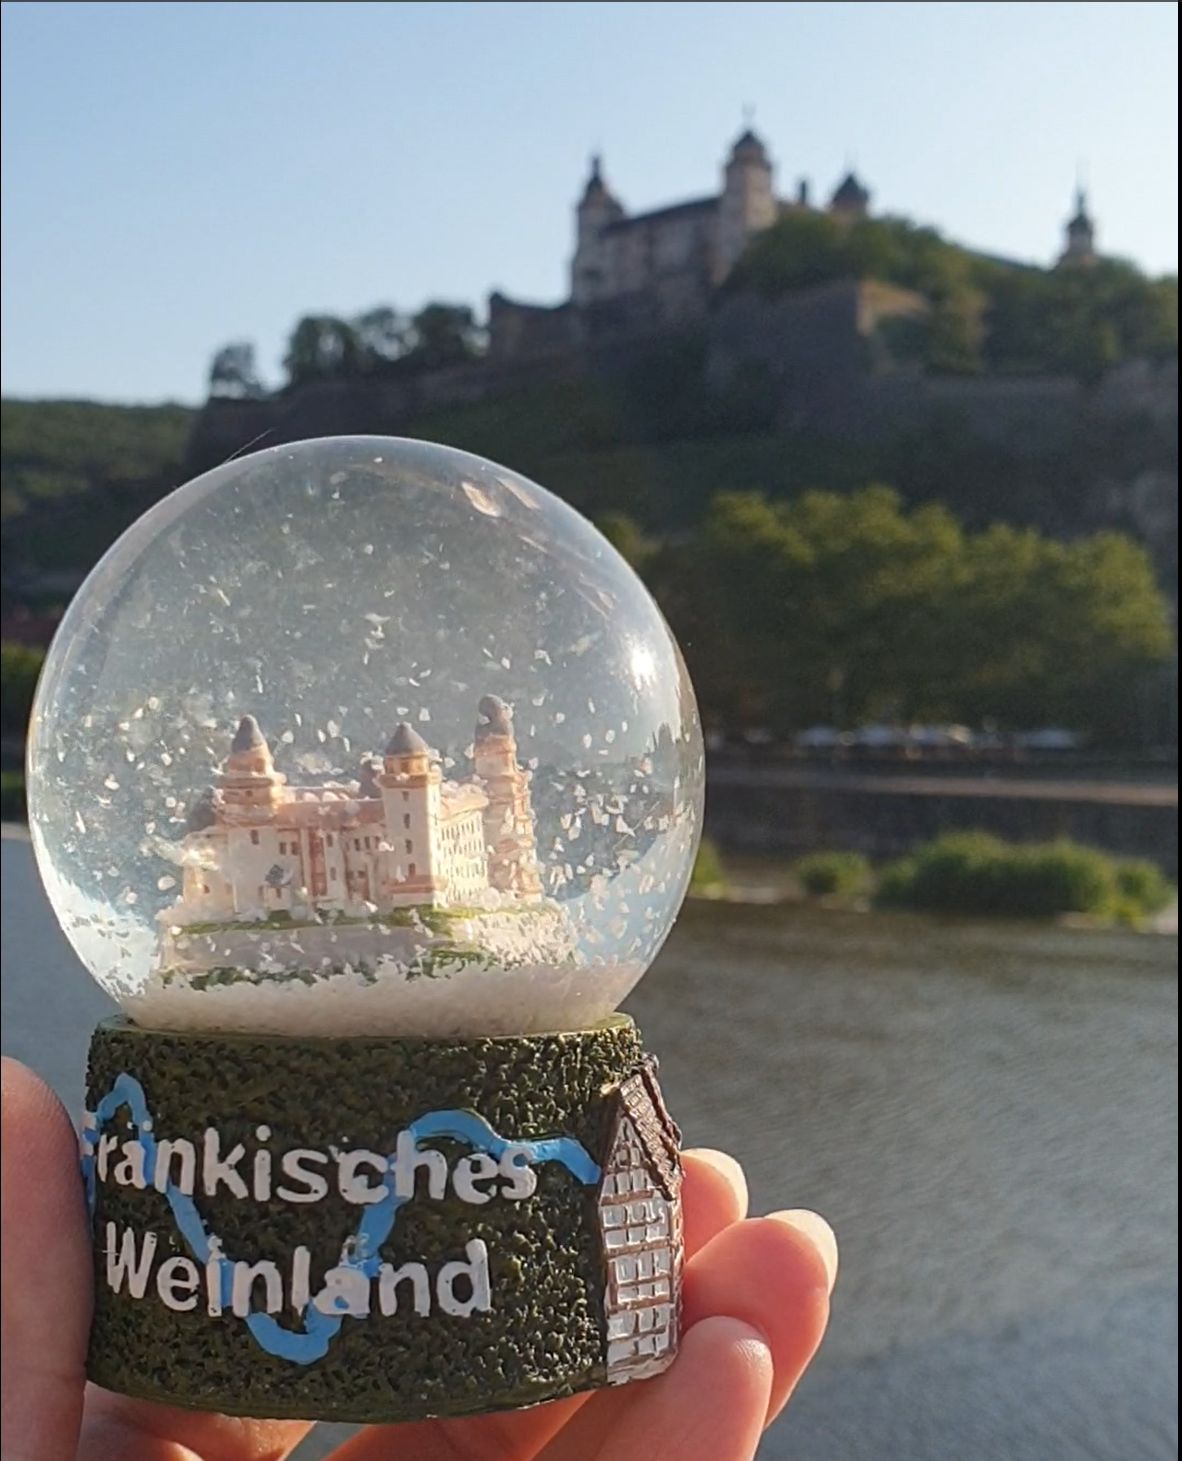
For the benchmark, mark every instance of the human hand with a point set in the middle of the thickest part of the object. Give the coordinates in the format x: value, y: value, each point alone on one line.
x: 756, y: 1301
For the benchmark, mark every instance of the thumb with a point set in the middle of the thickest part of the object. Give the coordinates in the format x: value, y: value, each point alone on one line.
x: 45, y: 1267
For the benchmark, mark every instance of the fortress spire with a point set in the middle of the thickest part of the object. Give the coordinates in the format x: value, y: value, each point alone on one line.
x: 747, y: 203
x: 1080, y: 235
x: 597, y: 210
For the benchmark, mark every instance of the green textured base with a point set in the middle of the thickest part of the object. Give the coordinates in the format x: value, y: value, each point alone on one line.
x: 524, y: 1313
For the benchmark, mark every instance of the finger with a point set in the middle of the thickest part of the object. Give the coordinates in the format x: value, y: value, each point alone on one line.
x: 774, y: 1273
x: 714, y: 1195
x: 46, y: 1272
x: 712, y: 1403
x: 117, y: 1427
x: 766, y: 1273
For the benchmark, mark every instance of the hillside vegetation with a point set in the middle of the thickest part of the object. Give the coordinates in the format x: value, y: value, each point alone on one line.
x: 990, y: 580
x: 76, y: 473
x: 986, y: 315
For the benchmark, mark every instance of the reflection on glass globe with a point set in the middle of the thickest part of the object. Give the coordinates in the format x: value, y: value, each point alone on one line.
x: 365, y: 736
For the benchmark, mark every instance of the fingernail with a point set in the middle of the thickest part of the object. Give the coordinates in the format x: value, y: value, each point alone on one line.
x: 723, y: 1162
x: 819, y: 1234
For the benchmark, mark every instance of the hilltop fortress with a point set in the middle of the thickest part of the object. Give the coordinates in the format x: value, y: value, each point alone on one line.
x: 827, y: 358
x: 648, y: 271
x: 660, y: 269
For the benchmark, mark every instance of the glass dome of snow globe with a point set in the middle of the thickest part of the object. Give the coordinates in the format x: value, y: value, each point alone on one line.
x: 365, y: 736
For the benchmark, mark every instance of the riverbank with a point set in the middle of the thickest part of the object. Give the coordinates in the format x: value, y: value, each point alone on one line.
x: 789, y: 810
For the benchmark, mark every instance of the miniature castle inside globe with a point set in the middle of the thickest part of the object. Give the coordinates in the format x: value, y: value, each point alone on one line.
x: 402, y: 838
x: 400, y: 873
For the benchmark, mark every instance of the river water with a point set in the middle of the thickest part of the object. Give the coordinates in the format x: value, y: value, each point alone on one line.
x: 986, y: 1113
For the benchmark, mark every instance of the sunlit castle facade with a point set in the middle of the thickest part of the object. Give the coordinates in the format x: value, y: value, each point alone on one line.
x: 403, y: 837
x: 700, y: 241
x: 647, y: 271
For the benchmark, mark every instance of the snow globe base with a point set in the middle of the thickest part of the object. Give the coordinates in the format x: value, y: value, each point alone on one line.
x: 378, y: 1229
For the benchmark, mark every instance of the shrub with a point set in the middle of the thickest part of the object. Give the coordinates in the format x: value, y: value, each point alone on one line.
x: 1143, y: 885
x: 12, y: 796
x: 708, y: 879
x: 829, y: 874
x: 972, y: 872
x: 20, y: 667
x: 895, y: 883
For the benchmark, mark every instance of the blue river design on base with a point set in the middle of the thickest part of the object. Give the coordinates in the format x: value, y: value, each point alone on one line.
x: 311, y: 1342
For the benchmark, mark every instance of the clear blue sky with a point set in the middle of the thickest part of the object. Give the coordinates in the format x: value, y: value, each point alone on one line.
x: 178, y: 175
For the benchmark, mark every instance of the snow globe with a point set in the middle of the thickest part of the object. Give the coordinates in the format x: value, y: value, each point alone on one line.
x: 367, y: 778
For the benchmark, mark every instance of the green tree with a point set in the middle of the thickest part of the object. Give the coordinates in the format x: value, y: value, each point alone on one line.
x: 20, y: 668
x: 442, y: 334
x: 233, y: 374
x: 322, y: 347
x: 384, y: 335
x: 848, y: 608
x: 984, y: 313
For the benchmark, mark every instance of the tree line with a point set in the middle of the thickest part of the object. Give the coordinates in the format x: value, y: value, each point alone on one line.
x: 849, y: 608
x: 329, y: 347
x: 984, y: 314
x: 846, y: 609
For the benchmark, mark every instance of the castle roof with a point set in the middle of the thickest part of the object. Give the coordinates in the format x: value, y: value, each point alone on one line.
x: 849, y: 193
x: 248, y: 737
x: 334, y: 808
x: 659, y: 215
x: 1081, y: 218
x: 458, y: 797
x: 749, y: 146
x: 406, y: 741
x: 597, y: 190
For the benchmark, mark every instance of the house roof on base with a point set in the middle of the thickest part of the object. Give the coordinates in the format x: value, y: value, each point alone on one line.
x: 639, y: 1098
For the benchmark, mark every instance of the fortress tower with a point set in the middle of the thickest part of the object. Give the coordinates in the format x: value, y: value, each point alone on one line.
x: 1080, y: 246
x: 590, y: 268
x: 850, y: 200
x: 747, y: 204
x: 508, y: 817
x: 248, y: 782
x: 410, y: 787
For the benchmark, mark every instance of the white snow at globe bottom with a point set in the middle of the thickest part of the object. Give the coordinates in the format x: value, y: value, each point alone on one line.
x: 418, y: 754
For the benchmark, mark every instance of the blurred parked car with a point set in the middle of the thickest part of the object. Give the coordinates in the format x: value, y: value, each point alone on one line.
x: 1053, y: 738
x: 819, y: 738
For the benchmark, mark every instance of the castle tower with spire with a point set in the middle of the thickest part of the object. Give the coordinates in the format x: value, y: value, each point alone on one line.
x: 590, y: 268
x: 508, y: 817
x: 851, y: 199
x: 409, y: 783
x: 1080, y: 235
x: 747, y: 204
x: 248, y: 783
